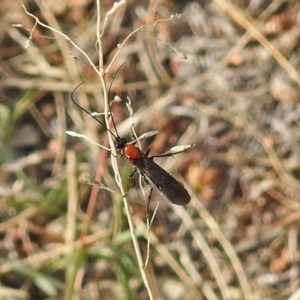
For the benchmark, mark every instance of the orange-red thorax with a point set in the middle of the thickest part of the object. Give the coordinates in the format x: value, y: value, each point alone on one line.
x: 131, y: 152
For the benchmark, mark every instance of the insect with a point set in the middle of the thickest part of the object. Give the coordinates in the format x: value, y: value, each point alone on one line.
x: 172, y: 189
x: 144, y: 164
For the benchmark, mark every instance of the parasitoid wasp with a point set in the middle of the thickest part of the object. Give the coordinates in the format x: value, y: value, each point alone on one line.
x: 172, y: 189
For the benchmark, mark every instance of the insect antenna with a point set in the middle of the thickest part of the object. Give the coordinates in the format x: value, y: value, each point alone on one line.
x: 109, y: 108
x: 91, y: 115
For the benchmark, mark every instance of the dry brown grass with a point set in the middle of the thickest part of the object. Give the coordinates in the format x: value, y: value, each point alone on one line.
x: 236, y: 96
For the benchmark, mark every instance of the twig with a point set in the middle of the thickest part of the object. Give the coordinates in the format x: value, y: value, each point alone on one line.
x: 63, y: 35
x: 114, y: 160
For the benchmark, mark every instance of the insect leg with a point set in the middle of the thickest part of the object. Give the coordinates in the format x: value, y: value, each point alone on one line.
x: 165, y: 154
x: 129, y: 180
x: 131, y: 176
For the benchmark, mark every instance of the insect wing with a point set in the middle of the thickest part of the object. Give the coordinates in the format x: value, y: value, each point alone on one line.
x: 168, y: 185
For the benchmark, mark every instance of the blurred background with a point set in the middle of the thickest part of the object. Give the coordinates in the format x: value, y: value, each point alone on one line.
x: 225, y: 76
